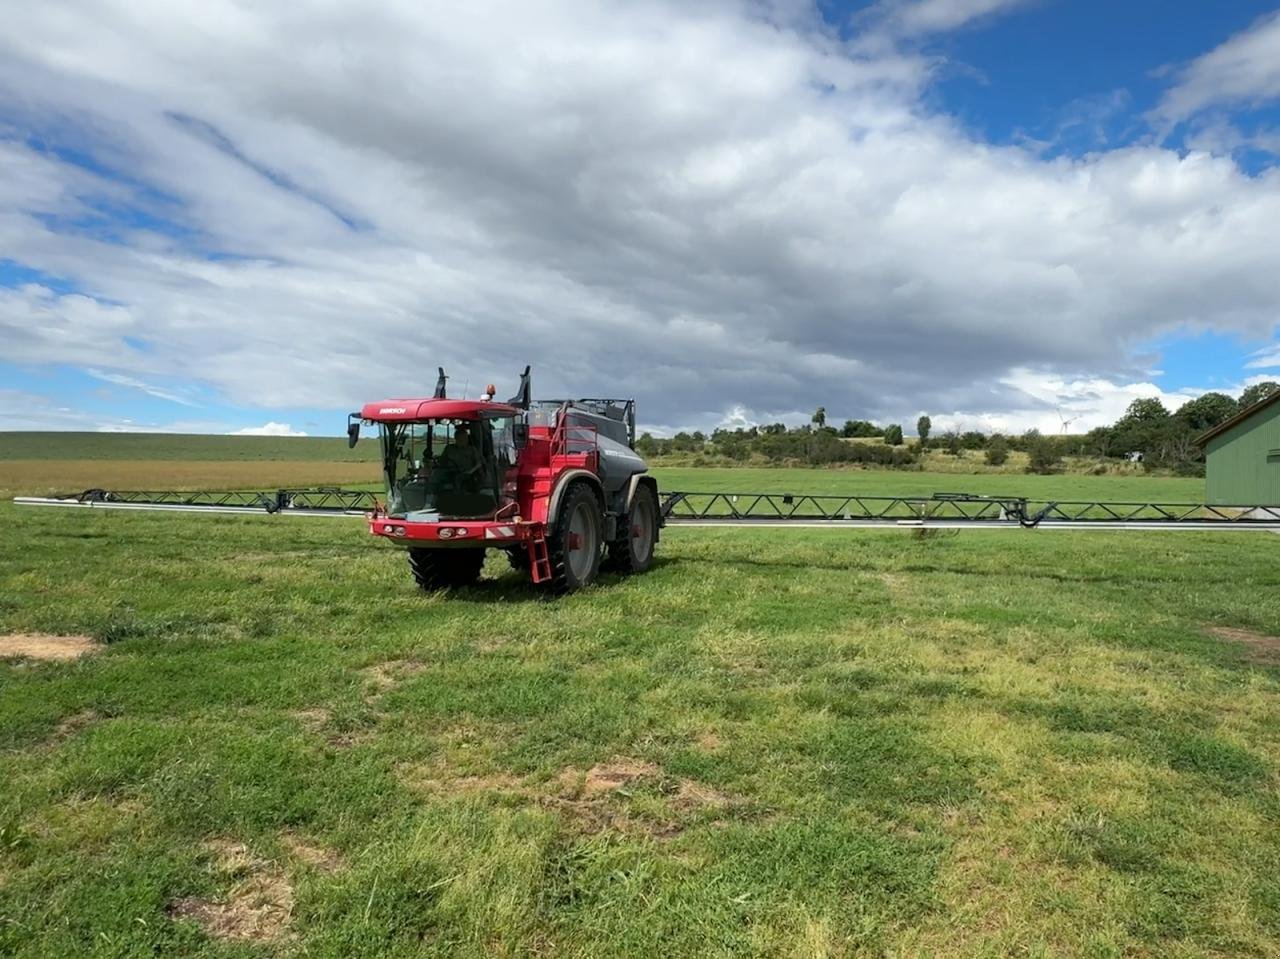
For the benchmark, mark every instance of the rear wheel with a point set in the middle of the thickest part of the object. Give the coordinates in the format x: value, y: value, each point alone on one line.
x: 575, y: 545
x: 435, y: 569
x: 633, y: 552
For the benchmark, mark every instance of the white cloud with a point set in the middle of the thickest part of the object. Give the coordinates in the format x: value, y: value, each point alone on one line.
x: 1243, y: 70
x: 268, y: 429
x: 915, y: 17
x: 1063, y: 405
x: 133, y: 383
x: 693, y: 205
x: 25, y: 410
x: 1266, y: 359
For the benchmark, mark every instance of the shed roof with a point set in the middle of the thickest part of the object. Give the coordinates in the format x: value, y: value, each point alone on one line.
x: 1239, y: 418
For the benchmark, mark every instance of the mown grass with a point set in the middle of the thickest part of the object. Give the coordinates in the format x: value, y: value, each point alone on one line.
x: 849, y: 744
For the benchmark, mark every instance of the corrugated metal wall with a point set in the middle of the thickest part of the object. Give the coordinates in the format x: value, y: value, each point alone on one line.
x: 1243, y: 464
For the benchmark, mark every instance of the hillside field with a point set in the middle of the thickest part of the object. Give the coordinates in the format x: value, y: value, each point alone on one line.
x: 781, y: 743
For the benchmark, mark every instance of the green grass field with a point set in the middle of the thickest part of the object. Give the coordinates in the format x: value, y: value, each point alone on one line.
x: 796, y: 743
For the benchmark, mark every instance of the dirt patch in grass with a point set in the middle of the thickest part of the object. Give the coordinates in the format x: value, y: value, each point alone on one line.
x: 597, y: 800
x: 325, y: 860
x: 691, y: 795
x: 588, y: 798
x: 386, y: 676
x: 43, y: 646
x: 312, y: 720
x: 319, y: 721
x: 441, y: 780
x: 70, y: 725
x: 258, y: 906
x: 710, y: 741
x: 606, y: 777
x: 1259, y: 647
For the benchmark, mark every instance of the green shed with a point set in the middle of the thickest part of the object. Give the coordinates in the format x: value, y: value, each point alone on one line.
x: 1242, y: 457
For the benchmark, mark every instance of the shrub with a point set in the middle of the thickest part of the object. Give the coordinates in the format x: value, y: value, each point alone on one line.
x: 997, y: 451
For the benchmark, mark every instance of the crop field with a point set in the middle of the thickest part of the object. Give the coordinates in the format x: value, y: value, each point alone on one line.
x: 260, y: 739
x: 60, y: 463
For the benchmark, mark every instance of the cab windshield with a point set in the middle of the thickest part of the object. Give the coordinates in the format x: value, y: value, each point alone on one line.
x: 451, y: 467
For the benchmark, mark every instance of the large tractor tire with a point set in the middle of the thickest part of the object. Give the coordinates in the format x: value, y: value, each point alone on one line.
x: 576, y: 543
x: 435, y: 569
x: 633, y: 552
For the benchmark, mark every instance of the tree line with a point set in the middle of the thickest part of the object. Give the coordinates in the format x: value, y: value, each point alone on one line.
x: 1148, y: 431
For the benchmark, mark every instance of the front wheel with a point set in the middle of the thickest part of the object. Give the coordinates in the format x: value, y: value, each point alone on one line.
x: 575, y: 545
x: 633, y: 552
x: 435, y: 569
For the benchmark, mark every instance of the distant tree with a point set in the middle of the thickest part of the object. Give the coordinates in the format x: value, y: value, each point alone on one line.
x: 1102, y: 441
x: 923, y: 426
x: 951, y: 442
x: 1257, y: 393
x: 698, y: 437
x: 863, y: 428
x: 893, y: 435
x: 1206, y: 412
x: 1042, y: 454
x: 1149, y: 410
x: 997, y: 450
x: 973, y: 440
x: 646, y: 445
x: 774, y: 429
x: 820, y: 417
x: 1142, y: 426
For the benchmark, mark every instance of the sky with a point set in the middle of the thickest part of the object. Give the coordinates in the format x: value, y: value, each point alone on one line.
x: 240, y: 217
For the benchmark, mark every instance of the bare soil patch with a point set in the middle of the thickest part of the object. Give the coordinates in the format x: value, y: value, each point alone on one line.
x: 588, y: 798
x: 313, y: 720
x: 441, y: 780
x: 710, y: 741
x: 386, y: 676
x: 77, y: 721
x: 258, y: 905
x: 607, y: 777
x: 1259, y: 647
x: 43, y: 646
x: 594, y: 800
x: 323, y: 859
x: 695, y: 795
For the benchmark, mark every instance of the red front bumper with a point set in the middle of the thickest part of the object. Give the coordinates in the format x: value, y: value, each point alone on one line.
x: 455, y: 532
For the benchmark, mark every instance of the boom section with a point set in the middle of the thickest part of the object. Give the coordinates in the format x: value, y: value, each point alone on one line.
x: 956, y: 510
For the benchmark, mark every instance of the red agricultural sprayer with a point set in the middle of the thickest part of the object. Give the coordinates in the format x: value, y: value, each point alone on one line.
x: 555, y: 484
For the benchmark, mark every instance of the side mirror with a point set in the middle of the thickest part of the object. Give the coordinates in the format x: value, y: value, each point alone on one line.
x: 353, y: 432
x: 520, y: 435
